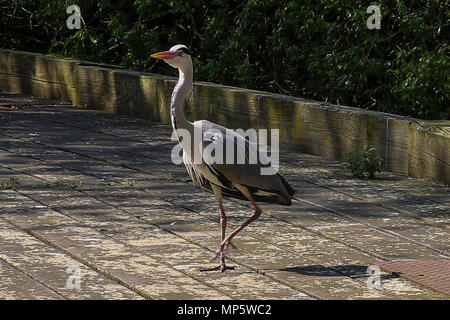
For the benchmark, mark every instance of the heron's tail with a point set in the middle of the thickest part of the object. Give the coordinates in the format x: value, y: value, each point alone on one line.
x: 288, y: 187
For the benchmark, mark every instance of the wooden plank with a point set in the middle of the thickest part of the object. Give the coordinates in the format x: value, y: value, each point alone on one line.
x: 38, y: 75
x: 231, y: 107
x: 429, y: 152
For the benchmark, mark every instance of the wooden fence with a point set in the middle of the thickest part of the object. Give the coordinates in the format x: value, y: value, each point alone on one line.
x: 407, y: 146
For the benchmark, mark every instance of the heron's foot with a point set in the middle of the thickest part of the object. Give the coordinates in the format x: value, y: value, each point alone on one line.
x: 220, y: 267
x: 222, y: 251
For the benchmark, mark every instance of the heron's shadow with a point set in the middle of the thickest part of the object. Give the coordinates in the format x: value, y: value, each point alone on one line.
x: 352, y: 271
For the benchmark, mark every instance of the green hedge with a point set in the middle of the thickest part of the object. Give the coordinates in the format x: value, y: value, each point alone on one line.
x: 315, y: 49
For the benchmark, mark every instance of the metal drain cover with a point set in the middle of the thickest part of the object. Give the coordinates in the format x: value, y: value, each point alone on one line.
x: 433, y: 274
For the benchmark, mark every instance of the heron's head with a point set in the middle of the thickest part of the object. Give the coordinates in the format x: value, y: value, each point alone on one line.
x: 179, y: 56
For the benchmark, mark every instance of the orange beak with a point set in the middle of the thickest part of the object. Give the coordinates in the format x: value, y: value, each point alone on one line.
x: 164, y: 55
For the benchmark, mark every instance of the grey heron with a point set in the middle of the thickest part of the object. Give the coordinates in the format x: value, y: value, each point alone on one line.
x: 236, y: 180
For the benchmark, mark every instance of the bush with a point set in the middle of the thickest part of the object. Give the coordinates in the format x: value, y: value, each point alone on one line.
x: 363, y: 163
x: 315, y: 49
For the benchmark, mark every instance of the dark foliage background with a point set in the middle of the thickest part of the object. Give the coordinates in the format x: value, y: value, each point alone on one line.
x: 315, y: 49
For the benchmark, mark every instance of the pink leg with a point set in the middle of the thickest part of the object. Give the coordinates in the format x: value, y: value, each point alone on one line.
x: 223, y: 219
x: 223, y: 224
x: 226, y: 242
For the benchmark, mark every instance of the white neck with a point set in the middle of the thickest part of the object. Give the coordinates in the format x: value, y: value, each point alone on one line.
x: 181, y: 90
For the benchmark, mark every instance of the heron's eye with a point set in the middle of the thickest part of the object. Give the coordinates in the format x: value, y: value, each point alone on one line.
x: 186, y: 51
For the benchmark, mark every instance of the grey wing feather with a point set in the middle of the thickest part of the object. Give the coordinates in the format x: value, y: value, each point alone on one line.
x: 267, y: 188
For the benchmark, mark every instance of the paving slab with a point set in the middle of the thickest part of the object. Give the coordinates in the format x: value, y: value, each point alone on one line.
x: 100, y: 189
x: 45, y: 269
x: 16, y: 285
